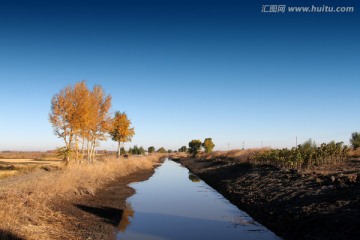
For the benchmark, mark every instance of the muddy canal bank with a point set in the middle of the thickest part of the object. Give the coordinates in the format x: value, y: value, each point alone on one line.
x: 318, y: 204
x: 96, y: 216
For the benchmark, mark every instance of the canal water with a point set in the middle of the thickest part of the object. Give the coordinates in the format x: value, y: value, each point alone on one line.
x: 176, y: 204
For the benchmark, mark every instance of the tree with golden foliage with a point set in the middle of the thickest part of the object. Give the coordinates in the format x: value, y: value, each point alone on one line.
x: 80, y: 117
x: 121, y: 131
x: 100, y: 120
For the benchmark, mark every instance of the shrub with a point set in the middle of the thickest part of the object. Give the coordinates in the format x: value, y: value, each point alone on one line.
x: 355, y: 140
x: 194, y: 147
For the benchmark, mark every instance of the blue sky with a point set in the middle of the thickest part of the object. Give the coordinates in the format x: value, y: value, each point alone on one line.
x: 183, y: 70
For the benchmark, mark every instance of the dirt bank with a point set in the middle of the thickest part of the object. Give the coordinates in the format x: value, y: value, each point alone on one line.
x: 81, y: 201
x: 97, y: 216
x: 323, y: 203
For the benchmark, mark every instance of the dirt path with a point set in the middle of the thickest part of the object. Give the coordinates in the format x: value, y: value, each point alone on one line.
x: 320, y: 204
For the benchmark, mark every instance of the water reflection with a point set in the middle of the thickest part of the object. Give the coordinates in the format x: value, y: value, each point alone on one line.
x: 193, y: 177
x: 125, y: 220
x: 169, y: 206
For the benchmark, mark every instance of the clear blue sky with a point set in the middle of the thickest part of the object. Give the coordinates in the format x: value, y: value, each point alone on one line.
x: 183, y: 70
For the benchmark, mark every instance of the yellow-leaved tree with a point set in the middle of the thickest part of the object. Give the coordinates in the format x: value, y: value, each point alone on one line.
x: 121, y: 131
x: 100, y: 123
x: 80, y: 117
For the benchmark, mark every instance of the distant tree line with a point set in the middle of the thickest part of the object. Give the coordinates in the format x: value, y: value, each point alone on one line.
x: 162, y: 150
x: 183, y: 149
x: 135, y: 150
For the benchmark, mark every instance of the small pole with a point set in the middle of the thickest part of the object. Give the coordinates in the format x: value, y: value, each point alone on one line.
x: 296, y: 141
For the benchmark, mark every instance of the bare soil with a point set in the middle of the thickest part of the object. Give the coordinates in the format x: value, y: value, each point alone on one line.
x: 97, y: 216
x: 322, y: 203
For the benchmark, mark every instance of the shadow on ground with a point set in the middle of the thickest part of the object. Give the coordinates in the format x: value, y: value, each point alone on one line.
x: 6, y: 235
x: 108, y: 214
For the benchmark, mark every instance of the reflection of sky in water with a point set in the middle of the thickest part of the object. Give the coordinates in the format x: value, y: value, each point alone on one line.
x: 170, y: 206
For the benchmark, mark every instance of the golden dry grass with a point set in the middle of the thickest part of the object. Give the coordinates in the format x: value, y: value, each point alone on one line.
x: 355, y: 153
x: 8, y: 173
x: 25, y: 200
x: 236, y: 154
x: 176, y: 155
x: 28, y: 155
x: 11, y: 167
x: 32, y: 161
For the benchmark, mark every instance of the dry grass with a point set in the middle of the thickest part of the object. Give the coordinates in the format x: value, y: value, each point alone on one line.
x: 236, y: 155
x: 12, y: 167
x: 176, y: 155
x: 8, y: 173
x: 355, y: 153
x: 25, y: 200
x: 27, y: 160
x: 28, y: 155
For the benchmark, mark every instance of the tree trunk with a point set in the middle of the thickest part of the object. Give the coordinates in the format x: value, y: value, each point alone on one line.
x: 82, y: 150
x: 88, y: 151
x: 93, y: 151
x: 76, y: 148
x: 67, y: 160
x: 118, y: 151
